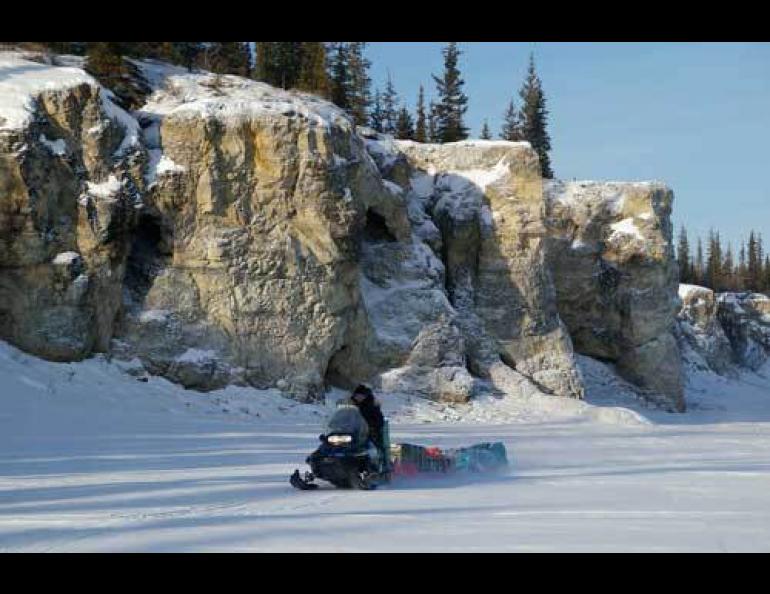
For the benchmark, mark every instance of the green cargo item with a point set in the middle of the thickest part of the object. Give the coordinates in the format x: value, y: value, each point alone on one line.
x: 481, y: 457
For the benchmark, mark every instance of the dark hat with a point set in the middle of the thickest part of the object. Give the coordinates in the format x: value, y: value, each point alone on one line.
x: 362, y: 389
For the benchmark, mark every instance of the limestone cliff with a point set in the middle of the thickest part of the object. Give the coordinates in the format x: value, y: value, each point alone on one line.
x: 479, y: 205
x: 244, y: 264
x: 70, y: 164
x: 616, y: 277
x: 230, y: 232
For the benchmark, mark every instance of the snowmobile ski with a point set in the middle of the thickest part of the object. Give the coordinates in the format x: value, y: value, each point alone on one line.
x: 304, y: 484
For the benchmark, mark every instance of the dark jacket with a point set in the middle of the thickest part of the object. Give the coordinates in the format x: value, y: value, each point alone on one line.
x: 370, y: 410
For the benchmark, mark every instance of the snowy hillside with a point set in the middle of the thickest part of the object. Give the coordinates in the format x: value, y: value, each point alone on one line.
x: 178, y: 91
x: 96, y: 459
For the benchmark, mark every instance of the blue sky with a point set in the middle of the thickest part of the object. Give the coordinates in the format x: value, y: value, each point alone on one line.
x: 694, y: 115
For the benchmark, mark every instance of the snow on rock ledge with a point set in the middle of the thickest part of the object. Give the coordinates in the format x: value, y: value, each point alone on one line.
x: 23, y: 81
x: 182, y: 94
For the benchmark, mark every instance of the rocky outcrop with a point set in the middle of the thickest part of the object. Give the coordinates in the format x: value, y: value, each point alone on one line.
x: 230, y: 232
x: 745, y: 319
x: 436, y: 366
x: 616, y: 278
x: 69, y: 185
x: 702, y: 341
x: 486, y: 200
x: 723, y: 332
x: 247, y: 250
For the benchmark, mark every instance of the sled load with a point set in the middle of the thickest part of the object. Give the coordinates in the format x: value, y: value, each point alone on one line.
x: 347, y: 458
x: 409, y: 459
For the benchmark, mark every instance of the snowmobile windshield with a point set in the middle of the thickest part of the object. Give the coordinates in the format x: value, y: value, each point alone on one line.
x: 348, y: 420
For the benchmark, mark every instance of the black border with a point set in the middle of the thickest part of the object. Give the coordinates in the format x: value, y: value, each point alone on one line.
x: 369, y: 21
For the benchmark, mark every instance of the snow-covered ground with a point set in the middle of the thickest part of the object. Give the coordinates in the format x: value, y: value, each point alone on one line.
x: 93, y: 458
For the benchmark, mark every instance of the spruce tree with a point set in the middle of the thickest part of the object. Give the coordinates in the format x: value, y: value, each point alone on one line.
x: 766, y: 275
x: 312, y: 73
x: 264, y: 62
x: 754, y: 263
x: 376, y: 116
x: 159, y: 50
x: 167, y: 51
x: 485, y: 133
x: 280, y: 63
x: 339, y: 77
x: 203, y: 60
x: 452, y: 102
x: 718, y: 263
x: 359, y: 83
x: 534, y: 118
x: 714, y: 262
x: 511, y: 124
x: 432, y: 129
x: 242, y: 59
x: 229, y: 57
x: 104, y: 60
x: 683, y: 257
x: 288, y: 63
x: 728, y: 270
x: 389, y: 107
x: 699, y: 267
x: 404, y: 125
x: 187, y: 52
x: 742, y: 272
x: 420, y: 131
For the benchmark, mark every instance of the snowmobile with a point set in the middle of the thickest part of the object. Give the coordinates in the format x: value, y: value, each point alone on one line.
x: 347, y: 458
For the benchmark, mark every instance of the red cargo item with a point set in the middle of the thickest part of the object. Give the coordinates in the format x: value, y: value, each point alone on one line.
x: 405, y: 469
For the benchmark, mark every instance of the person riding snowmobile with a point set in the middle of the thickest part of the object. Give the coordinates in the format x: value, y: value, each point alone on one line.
x: 363, y: 398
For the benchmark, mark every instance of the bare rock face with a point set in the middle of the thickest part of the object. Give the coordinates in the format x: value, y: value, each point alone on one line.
x: 701, y: 338
x: 248, y: 249
x: 436, y: 367
x: 486, y: 200
x: 745, y: 318
x: 616, y: 278
x: 404, y: 312
x: 69, y: 163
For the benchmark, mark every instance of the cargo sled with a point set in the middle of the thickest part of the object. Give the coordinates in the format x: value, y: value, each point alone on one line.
x: 409, y: 459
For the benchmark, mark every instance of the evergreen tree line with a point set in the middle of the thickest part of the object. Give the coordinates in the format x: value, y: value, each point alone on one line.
x: 719, y: 268
x: 442, y: 120
x: 105, y: 57
x: 340, y: 72
x: 335, y: 71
